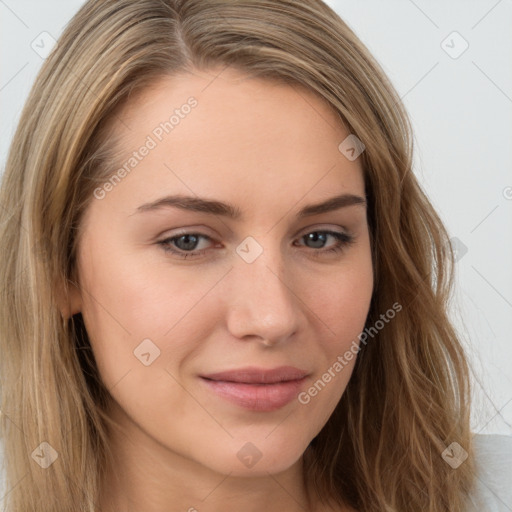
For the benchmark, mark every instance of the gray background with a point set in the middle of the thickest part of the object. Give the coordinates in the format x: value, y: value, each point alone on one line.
x: 460, y: 104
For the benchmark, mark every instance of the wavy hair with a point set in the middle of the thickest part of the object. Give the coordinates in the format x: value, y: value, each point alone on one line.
x: 408, y: 397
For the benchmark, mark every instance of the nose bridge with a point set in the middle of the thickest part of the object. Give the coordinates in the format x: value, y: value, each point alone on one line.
x: 261, y: 302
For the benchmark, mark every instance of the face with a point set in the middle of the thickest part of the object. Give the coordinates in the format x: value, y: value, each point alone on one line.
x: 175, y: 293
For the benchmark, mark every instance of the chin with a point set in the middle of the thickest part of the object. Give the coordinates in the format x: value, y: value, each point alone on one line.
x: 246, y: 458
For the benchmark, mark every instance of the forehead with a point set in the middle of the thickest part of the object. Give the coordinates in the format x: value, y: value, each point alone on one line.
x: 221, y: 83
x: 229, y: 105
x: 223, y: 133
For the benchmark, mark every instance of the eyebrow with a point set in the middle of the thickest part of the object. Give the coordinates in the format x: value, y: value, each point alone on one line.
x: 198, y: 204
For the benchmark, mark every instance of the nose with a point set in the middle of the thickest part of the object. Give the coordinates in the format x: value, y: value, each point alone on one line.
x: 261, y: 302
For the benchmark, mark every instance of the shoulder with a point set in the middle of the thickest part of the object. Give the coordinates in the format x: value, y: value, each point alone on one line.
x: 493, y: 485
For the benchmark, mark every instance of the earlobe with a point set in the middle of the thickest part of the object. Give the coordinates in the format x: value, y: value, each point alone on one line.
x: 70, y: 303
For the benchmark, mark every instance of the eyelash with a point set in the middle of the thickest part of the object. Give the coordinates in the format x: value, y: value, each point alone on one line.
x: 343, y: 241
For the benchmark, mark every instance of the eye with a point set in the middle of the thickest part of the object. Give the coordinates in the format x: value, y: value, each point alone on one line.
x: 343, y: 240
x: 187, y: 243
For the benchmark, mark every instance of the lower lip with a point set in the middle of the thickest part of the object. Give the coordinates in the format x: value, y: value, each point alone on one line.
x: 257, y: 397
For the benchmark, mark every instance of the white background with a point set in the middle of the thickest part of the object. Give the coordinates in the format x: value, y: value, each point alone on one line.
x: 461, y: 110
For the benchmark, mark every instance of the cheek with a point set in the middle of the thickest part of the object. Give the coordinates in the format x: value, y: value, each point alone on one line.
x: 137, y: 313
x: 128, y: 292
x: 342, y: 308
x: 341, y: 304
x: 341, y: 299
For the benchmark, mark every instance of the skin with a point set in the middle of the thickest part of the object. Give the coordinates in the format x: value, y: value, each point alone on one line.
x: 269, y: 149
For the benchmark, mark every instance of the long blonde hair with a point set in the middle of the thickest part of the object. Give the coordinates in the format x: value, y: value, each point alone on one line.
x: 408, y: 397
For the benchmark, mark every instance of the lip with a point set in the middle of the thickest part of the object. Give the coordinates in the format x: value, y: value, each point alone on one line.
x: 257, y: 389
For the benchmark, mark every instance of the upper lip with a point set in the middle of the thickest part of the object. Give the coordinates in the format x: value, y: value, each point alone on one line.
x: 254, y: 375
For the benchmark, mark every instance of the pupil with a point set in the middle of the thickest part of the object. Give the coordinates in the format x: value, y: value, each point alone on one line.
x: 188, y: 245
x: 315, y: 237
x: 318, y: 240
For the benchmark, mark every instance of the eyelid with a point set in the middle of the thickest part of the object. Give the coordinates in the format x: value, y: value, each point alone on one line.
x: 322, y: 227
x: 198, y: 230
x: 342, y: 241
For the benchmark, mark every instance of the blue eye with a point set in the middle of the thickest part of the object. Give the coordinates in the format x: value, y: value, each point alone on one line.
x: 189, y: 241
x: 186, y: 240
x: 343, y: 240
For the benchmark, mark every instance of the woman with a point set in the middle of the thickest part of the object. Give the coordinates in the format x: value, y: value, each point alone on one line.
x: 175, y: 323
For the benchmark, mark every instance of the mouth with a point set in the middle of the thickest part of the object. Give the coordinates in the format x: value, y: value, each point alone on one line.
x: 257, y: 389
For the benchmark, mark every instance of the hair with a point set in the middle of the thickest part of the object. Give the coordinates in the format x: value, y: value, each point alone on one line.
x: 408, y: 396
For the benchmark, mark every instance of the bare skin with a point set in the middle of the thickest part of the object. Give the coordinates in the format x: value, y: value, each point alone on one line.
x: 269, y: 150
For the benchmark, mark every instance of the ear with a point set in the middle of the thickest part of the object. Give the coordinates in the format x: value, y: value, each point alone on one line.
x: 69, y: 303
